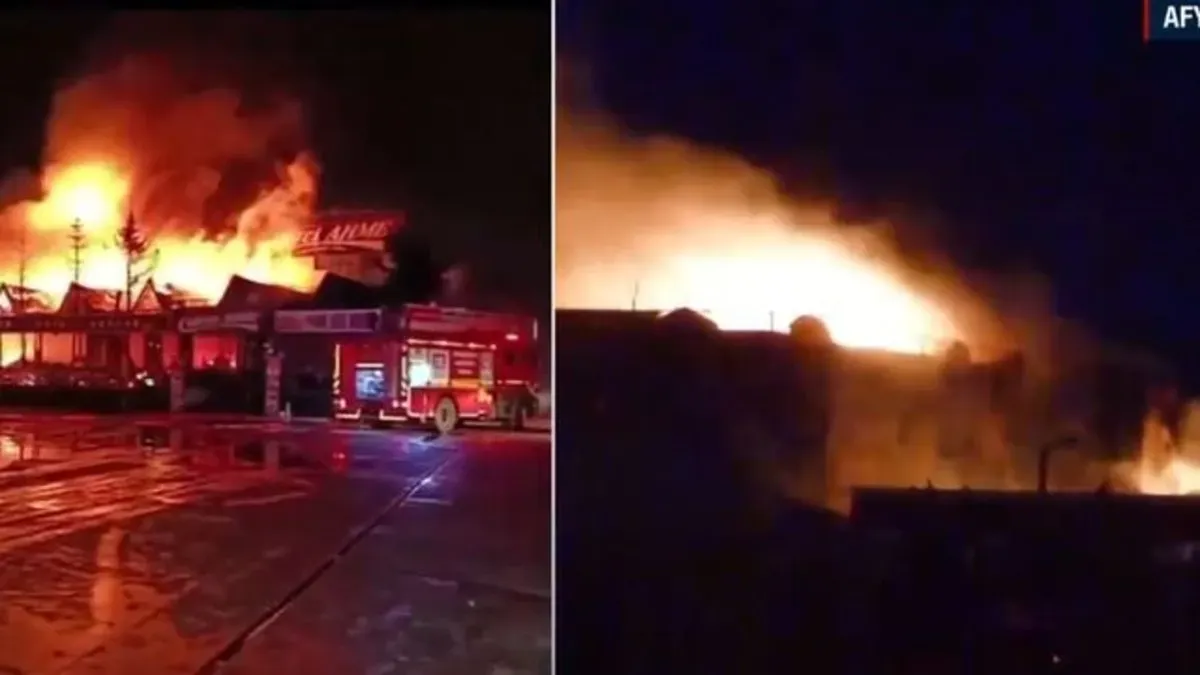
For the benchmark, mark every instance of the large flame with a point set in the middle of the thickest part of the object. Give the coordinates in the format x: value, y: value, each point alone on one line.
x: 98, y: 194
x: 1164, y: 466
x: 220, y: 187
x: 662, y: 224
x: 1178, y: 477
x: 767, y: 279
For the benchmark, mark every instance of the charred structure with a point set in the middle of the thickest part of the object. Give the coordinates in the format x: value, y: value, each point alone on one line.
x: 798, y: 417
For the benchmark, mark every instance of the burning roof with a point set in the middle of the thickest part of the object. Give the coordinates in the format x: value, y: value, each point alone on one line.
x: 662, y: 224
x: 21, y: 300
x: 173, y: 297
x: 240, y: 294
x: 123, y: 138
x: 81, y: 299
x: 154, y: 299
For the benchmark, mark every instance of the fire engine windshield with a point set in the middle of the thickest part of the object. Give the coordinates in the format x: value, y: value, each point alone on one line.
x: 369, y: 382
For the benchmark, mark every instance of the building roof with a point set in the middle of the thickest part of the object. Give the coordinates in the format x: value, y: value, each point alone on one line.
x: 242, y: 294
x: 81, y: 299
x: 20, y: 299
x: 338, y: 292
x: 154, y: 299
x: 1102, y: 512
x: 605, y: 320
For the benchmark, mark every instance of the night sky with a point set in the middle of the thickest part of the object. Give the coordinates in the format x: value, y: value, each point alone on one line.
x: 445, y: 116
x: 1029, y: 135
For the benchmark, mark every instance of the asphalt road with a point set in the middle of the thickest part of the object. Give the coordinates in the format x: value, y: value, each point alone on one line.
x: 254, y: 548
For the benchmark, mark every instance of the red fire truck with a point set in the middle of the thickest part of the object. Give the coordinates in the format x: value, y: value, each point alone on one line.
x: 430, y: 364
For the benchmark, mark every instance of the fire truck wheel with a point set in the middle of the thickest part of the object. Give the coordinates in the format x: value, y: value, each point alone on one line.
x: 516, y: 418
x: 445, y: 415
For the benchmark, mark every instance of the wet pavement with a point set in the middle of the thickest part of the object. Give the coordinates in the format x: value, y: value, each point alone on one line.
x: 246, y: 548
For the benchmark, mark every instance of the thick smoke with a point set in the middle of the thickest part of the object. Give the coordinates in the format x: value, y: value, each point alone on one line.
x: 194, y: 156
x: 167, y: 118
x: 19, y: 187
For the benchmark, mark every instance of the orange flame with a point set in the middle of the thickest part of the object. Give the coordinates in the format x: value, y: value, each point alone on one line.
x: 1178, y: 477
x: 663, y: 224
x: 93, y: 193
x: 765, y: 282
x: 98, y: 194
x: 1161, y: 467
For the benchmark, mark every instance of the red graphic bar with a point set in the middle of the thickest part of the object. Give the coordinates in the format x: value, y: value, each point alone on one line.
x: 1145, y: 21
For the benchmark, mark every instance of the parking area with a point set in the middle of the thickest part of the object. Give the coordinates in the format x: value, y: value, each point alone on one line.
x: 239, y: 543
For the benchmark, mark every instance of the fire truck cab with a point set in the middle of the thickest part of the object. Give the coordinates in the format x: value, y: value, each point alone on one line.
x: 439, y: 365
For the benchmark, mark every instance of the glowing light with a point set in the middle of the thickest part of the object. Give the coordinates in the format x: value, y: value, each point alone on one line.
x: 768, y: 288
x: 659, y: 224
x: 97, y: 194
x: 93, y: 193
x: 1162, y: 467
x: 420, y: 374
x: 1177, y: 477
x: 766, y: 279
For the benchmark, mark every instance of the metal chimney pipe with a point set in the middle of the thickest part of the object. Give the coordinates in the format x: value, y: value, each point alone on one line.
x: 1048, y: 449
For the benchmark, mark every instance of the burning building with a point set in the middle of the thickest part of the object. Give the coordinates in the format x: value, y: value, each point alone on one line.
x: 259, y: 343
x: 801, y: 417
x: 172, y: 234
x: 223, y: 192
x: 99, y: 328
x: 926, y: 380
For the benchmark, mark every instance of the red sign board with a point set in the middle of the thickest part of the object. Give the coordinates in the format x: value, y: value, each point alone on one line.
x: 355, y: 231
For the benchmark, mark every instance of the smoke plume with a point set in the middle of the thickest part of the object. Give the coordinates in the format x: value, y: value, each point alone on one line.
x: 192, y: 156
x: 213, y: 165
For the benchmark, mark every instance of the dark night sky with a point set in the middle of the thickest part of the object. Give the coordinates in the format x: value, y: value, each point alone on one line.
x: 444, y: 115
x: 1043, y: 134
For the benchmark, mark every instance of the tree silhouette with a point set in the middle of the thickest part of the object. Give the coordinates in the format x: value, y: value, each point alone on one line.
x: 78, y: 242
x: 415, y: 275
x: 140, y: 259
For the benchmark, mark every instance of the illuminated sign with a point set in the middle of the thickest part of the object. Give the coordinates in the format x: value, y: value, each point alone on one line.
x: 347, y: 232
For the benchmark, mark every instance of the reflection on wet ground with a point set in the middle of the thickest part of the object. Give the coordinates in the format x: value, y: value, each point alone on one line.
x: 445, y: 584
x: 126, y: 559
